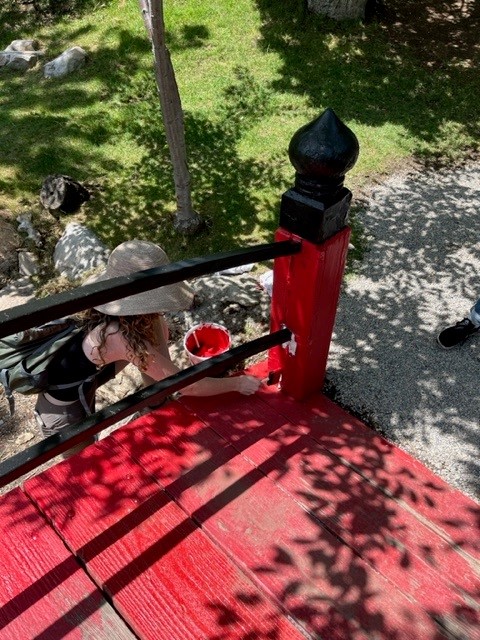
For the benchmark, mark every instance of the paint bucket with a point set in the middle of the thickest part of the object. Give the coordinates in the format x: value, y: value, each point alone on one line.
x: 205, y: 340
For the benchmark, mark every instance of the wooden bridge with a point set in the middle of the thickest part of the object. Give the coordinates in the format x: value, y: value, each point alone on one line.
x: 272, y: 517
x: 228, y: 518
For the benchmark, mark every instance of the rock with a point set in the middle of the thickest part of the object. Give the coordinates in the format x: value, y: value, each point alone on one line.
x: 70, y: 60
x: 235, y: 271
x: 27, y: 263
x: 78, y: 252
x: 25, y: 224
x: 63, y: 193
x: 20, y: 55
x: 266, y: 281
x: 22, y: 45
x: 16, y: 61
x: 24, y: 437
x: 241, y: 290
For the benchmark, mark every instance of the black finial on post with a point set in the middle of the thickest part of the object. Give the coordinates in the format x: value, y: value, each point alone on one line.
x: 321, y: 153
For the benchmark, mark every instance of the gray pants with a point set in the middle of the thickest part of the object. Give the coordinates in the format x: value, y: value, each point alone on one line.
x: 52, y: 414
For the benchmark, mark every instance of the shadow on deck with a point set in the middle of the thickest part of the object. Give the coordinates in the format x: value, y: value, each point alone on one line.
x: 240, y: 518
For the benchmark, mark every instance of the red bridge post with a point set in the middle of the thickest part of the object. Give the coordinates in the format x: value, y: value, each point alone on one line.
x: 306, y: 286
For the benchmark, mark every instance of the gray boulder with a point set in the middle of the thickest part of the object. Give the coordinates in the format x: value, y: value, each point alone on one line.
x: 70, y: 60
x: 18, y: 61
x: 20, y: 55
x: 79, y: 252
x: 22, y: 45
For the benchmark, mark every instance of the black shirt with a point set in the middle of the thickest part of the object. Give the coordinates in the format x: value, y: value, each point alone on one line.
x: 70, y: 364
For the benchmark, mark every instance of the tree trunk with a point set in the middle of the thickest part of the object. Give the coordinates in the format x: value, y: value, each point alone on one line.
x: 186, y: 219
x: 339, y: 9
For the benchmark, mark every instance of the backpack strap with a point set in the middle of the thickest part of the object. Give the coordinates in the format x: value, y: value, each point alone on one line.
x: 11, y: 398
x: 79, y: 384
x: 81, y: 394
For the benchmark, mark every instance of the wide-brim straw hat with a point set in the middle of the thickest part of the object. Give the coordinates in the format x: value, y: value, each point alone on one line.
x: 139, y: 255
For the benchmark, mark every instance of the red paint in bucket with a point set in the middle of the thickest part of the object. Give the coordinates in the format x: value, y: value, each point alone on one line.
x: 207, y: 340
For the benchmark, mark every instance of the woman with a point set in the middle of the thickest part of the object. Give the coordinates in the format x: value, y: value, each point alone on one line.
x: 129, y: 330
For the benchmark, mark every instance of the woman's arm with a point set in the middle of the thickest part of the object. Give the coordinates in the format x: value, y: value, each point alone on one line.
x: 159, y: 368
x: 244, y: 384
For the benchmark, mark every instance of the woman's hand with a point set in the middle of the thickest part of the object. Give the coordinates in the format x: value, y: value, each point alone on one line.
x: 247, y: 385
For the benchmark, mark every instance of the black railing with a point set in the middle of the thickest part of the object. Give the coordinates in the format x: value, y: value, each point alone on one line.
x: 23, y: 462
x: 37, y: 312
x: 40, y: 311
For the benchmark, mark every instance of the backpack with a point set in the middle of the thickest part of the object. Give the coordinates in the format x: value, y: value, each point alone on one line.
x: 25, y: 356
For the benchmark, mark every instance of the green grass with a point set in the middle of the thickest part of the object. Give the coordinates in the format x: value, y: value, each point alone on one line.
x: 250, y: 73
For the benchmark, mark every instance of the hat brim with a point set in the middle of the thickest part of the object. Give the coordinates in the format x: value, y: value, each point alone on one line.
x: 169, y: 298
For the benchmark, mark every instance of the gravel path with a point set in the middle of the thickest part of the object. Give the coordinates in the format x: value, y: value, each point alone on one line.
x: 419, y: 275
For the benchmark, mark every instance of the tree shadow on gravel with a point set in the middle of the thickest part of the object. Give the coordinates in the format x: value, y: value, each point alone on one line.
x: 419, y: 275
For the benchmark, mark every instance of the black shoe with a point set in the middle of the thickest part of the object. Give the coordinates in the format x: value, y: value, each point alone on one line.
x: 451, y: 336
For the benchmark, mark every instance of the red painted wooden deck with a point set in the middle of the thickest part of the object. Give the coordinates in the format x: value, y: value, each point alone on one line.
x: 240, y: 518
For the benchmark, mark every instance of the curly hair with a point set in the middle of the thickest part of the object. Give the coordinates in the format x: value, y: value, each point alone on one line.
x: 138, y: 331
